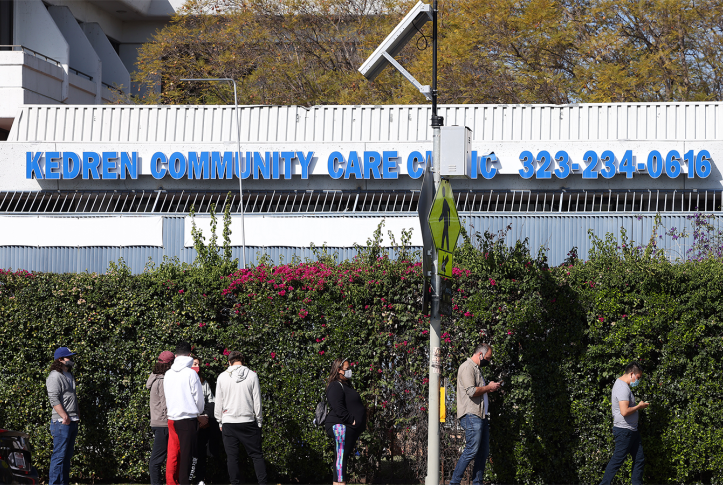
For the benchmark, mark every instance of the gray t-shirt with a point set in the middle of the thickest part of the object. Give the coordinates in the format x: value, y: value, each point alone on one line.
x: 622, y: 392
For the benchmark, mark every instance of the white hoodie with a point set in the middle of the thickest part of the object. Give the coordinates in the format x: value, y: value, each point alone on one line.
x: 184, y: 393
x: 238, y: 396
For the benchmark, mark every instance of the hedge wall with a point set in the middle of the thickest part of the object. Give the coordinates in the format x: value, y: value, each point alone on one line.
x: 561, y: 336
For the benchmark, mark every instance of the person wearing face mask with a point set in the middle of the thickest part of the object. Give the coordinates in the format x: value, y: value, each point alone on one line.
x: 625, y: 425
x: 205, y: 433
x: 64, y: 423
x: 347, y: 417
x: 472, y: 409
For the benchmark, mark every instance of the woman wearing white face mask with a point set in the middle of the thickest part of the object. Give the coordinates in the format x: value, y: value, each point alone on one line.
x: 347, y: 417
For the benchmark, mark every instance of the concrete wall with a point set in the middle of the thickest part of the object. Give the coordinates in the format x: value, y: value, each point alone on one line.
x: 34, y: 28
x: 82, y: 55
x: 27, y: 79
x: 114, y: 72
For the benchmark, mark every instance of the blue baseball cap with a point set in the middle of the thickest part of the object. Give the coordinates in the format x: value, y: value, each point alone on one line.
x: 63, y: 352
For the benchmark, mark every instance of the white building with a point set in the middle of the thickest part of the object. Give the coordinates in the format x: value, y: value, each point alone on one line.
x: 82, y: 185
x: 71, y: 51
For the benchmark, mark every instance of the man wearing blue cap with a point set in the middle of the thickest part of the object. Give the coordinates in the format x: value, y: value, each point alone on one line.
x: 64, y: 424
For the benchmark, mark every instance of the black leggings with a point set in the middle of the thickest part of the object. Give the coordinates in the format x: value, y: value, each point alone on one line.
x: 344, y: 441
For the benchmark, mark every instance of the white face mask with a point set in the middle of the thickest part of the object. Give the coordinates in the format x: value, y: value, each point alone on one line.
x: 347, y: 373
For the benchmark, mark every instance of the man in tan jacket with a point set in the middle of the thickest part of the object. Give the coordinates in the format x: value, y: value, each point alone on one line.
x: 472, y: 408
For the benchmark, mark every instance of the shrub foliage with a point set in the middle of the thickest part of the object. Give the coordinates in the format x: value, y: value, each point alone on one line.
x: 560, y: 335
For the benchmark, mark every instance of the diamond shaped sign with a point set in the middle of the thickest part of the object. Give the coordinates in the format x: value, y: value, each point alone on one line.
x: 443, y: 219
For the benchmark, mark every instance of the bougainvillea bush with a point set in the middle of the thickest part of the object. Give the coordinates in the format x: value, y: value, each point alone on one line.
x: 561, y: 336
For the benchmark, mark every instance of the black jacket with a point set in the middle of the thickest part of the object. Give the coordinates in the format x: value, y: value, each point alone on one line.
x: 345, y: 406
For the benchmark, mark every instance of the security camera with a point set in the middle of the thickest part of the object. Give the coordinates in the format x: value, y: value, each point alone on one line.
x: 395, y: 42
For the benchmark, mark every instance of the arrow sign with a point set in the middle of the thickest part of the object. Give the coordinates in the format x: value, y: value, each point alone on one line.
x: 444, y: 222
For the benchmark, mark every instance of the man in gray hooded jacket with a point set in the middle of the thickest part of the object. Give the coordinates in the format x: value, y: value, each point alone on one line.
x: 238, y: 412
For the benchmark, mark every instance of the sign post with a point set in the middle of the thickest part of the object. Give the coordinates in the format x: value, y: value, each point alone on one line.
x: 435, y: 320
x: 382, y: 57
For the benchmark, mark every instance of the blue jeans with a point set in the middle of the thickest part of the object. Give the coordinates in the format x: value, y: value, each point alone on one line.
x: 477, y: 448
x: 627, y: 442
x: 63, y: 445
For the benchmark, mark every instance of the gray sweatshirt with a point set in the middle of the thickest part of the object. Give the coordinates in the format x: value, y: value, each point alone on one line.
x: 159, y: 415
x: 238, y: 396
x: 61, y: 390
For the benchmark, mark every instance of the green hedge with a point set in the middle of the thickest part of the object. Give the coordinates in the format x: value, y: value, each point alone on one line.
x: 561, y: 336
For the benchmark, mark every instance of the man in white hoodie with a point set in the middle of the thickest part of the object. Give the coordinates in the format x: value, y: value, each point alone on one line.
x: 184, y: 405
x: 238, y: 412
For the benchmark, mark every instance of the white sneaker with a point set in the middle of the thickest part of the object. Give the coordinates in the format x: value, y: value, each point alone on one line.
x: 201, y: 483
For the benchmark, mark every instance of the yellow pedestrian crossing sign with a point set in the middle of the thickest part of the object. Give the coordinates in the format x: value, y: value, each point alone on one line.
x: 443, y: 220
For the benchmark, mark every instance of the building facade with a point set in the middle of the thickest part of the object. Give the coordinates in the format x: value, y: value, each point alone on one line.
x: 84, y: 185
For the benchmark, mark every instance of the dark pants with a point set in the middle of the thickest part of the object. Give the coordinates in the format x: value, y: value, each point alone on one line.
x: 208, y: 445
x: 344, y: 442
x: 63, y: 447
x: 158, y: 455
x: 182, y: 436
x: 477, y: 448
x: 626, y: 442
x: 249, y: 435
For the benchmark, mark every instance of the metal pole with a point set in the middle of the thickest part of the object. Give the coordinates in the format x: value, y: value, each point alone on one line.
x: 435, y: 323
x: 238, y: 157
x: 240, y: 178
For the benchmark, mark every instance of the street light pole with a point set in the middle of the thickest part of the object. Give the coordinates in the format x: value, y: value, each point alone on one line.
x: 238, y: 158
x: 435, y: 321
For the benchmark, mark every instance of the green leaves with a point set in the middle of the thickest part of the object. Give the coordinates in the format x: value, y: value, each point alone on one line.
x: 560, y: 336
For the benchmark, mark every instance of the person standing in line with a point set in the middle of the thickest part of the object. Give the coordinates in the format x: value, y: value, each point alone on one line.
x: 184, y: 403
x: 238, y: 412
x: 625, y: 425
x: 205, y: 433
x: 472, y: 409
x: 347, y: 418
x: 60, y: 384
x: 159, y: 417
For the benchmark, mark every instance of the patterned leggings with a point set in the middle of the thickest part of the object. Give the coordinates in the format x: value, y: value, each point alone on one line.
x: 345, y: 440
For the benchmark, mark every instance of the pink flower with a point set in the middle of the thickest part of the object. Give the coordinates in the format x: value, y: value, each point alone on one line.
x: 180, y: 291
x: 303, y: 313
x: 226, y: 352
x: 468, y: 314
x: 380, y: 371
x: 625, y: 316
x: 321, y: 352
x: 600, y: 318
x: 282, y: 292
x: 273, y: 355
x: 492, y: 282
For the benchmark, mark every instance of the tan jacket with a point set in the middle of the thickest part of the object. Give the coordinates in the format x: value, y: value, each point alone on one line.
x: 469, y: 378
x: 159, y: 416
